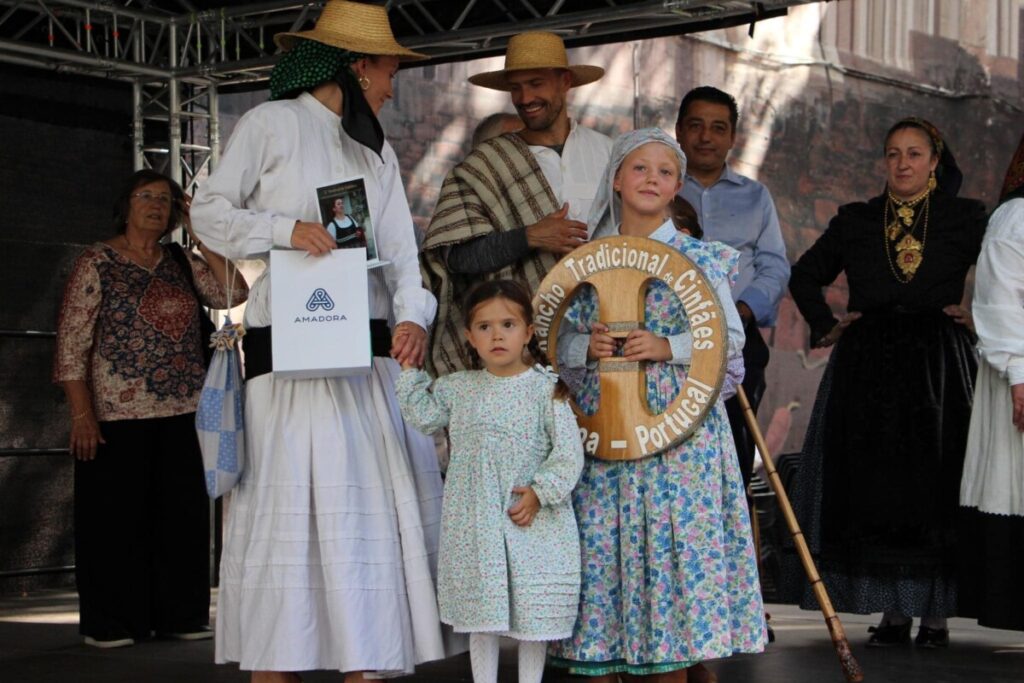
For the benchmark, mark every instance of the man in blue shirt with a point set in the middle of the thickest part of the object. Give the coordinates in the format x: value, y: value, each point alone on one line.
x: 740, y: 212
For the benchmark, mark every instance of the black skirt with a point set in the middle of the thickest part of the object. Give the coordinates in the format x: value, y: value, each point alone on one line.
x: 991, y: 589
x: 877, y: 487
x: 896, y: 423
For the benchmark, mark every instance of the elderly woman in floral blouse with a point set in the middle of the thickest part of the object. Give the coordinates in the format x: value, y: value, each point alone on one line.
x: 130, y: 359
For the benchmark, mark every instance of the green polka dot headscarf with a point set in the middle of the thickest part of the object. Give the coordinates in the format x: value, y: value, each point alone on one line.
x: 308, y: 64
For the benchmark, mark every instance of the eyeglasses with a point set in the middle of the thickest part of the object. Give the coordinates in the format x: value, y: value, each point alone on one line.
x: 147, y: 196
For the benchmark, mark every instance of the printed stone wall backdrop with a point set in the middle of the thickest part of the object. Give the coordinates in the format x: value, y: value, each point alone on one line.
x: 815, y: 103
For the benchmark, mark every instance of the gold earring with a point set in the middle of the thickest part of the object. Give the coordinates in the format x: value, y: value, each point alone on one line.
x: 364, y: 82
x: 932, y: 183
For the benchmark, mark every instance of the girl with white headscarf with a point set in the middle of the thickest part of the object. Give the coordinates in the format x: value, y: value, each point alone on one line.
x: 669, y: 575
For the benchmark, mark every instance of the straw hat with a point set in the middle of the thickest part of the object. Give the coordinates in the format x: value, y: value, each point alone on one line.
x: 536, y: 50
x: 352, y: 26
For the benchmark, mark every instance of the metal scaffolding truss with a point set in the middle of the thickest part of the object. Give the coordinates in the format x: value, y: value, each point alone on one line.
x: 178, y: 53
x: 197, y: 44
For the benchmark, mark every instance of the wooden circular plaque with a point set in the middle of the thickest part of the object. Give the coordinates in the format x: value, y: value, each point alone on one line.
x: 619, y: 268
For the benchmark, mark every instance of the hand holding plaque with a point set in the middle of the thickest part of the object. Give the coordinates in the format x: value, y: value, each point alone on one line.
x: 619, y: 269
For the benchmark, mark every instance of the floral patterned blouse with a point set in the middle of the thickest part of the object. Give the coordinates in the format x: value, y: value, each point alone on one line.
x: 133, y: 333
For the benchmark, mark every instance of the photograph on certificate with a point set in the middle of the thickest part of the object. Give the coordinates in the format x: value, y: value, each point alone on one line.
x: 345, y: 213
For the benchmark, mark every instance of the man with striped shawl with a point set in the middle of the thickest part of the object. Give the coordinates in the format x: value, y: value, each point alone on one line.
x: 518, y: 201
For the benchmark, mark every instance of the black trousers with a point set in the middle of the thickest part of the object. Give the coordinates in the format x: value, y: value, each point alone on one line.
x: 755, y: 360
x: 142, y: 531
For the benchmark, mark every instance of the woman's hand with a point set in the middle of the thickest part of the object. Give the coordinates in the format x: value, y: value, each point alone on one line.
x: 837, y: 331
x: 602, y: 345
x: 645, y: 345
x: 312, y: 238
x: 960, y: 315
x: 409, y: 344
x: 226, y: 273
x: 184, y: 208
x: 1017, y: 394
x: 85, y: 437
x: 85, y: 430
x: 523, y: 512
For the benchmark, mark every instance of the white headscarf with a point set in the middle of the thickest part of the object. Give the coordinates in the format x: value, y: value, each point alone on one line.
x: 607, y: 207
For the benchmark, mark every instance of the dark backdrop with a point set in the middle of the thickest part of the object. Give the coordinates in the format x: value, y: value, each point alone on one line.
x: 65, y: 147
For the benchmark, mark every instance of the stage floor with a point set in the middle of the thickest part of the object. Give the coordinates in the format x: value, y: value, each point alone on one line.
x: 39, y: 642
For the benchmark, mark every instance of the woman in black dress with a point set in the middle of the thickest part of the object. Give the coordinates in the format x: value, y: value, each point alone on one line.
x: 880, y: 475
x: 343, y: 228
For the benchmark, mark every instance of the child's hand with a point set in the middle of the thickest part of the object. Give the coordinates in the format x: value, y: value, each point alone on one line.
x: 601, y: 344
x: 408, y: 344
x: 523, y: 512
x: 645, y: 345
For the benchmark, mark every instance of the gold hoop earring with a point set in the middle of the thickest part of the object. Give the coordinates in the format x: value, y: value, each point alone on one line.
x: 364, y: 82
x: 932, y: 183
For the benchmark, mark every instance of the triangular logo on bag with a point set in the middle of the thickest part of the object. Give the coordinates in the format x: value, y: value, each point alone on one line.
x: 320, y: 299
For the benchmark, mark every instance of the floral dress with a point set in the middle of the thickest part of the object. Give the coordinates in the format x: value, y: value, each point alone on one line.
x: 669, y: 575
x: 495, y: 576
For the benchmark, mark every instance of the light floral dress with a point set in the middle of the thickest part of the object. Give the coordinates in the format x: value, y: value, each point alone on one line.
x: 669, y: 575
x: 495, y: 576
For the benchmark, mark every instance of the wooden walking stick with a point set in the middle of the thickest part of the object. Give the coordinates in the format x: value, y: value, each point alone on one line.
x: 851, y: 669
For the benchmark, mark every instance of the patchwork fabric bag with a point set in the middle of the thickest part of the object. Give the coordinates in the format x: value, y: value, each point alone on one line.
x: 219, y: 418
x: 220, y: 421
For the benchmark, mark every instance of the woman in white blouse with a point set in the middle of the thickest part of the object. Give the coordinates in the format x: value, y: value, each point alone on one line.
x: 331, y: 540
x: 992, y: 489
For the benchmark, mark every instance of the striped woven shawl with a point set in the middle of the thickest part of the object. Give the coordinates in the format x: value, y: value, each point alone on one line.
x: 497, y: 188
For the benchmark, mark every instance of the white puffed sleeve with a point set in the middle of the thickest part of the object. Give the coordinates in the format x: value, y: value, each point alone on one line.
x: 219, y: 214
x: 396, y: 242
x: 998, y: 305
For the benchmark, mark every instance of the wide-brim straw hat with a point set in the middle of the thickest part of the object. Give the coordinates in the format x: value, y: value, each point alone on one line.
x: 353, y: 26
x: 536, y: 50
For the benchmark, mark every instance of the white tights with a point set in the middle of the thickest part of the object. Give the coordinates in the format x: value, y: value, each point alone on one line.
x: 483, y: 655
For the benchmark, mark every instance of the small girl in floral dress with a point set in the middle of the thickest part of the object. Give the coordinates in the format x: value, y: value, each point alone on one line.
x: 510, y: 556
x: 669, y: 577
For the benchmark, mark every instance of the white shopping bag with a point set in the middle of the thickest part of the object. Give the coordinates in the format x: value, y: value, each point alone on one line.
x: 320, y: 314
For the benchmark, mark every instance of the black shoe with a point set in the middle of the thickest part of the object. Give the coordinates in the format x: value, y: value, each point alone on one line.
x: 889, y: 635
x: 932, y: 638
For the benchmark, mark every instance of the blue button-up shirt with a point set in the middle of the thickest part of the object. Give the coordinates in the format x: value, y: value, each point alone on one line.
x: 740, y: 212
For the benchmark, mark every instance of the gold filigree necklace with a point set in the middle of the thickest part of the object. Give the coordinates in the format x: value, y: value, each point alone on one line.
x: 906, y: 218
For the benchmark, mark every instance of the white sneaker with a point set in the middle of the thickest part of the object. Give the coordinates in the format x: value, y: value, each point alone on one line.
x: 107, y: 644
x: 203, y: 633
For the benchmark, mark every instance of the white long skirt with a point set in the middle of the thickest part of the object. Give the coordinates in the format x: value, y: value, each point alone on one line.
x: 993, y: 479
x: 330, y: 550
